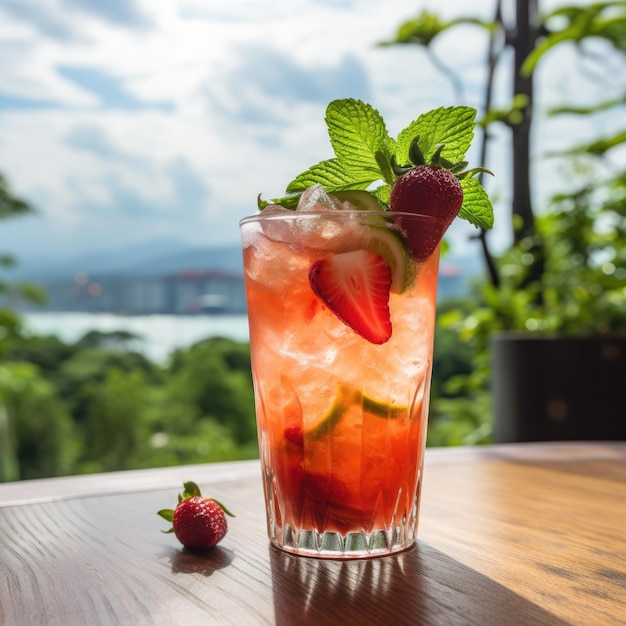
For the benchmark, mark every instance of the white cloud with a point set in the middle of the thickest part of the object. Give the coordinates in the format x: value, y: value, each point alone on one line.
x: 160, y: 117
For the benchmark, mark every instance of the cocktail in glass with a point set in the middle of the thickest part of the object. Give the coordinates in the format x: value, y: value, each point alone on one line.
x: 341, y: 414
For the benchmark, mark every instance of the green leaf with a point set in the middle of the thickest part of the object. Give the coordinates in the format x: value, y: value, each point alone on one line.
x: 166, y: 514
x: 191, y: 490
x: 383, y: 193
x: 287, y: 202
x: 444, y: 248
x: 222, y: 507
x: 597, y: 20
x: 451, y: 126
x: 357, y: 134
x: 476, y: 209
x: 422, y: 29
x: 331, y: 174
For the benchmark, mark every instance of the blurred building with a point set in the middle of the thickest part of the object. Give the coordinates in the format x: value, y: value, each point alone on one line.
x: 182, y: 293
x: 185, y: 292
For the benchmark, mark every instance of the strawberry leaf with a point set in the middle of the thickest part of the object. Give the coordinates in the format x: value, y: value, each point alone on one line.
x: 166, y: 514
x: 191, y: 490
x: 453, y: 127
x: 222, y: 507
x: 476, y: 208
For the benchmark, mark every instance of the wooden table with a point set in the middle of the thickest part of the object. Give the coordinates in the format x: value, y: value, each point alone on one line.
x: 512, y: 534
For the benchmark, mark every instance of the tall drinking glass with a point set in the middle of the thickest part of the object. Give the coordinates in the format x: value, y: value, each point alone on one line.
x: 341, y: 419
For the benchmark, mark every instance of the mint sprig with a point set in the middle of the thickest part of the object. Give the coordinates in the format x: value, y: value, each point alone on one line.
x: 367, y: 158
x: 451, y: 127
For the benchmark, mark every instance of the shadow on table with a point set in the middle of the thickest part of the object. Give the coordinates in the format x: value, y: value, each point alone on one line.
x: 204, y: 562
x: 420, y: 586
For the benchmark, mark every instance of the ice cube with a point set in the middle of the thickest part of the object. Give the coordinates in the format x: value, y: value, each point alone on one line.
x: 277, y: 229
x: 316, y: 199
x: 304, y: 230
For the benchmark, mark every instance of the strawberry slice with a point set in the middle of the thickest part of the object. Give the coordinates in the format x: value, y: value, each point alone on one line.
x: 355, y: 287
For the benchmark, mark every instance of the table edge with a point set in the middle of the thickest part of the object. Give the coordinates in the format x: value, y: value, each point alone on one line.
x: 151, y: 479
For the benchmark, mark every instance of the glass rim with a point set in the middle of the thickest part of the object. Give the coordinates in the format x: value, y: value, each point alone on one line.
x: 338, y: 214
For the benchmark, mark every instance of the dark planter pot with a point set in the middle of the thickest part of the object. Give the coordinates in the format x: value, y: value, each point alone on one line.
x: 558, y: 388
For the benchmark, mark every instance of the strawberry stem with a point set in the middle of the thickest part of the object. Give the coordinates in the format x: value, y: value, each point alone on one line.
x: 191, y: 490
x: 222, y: 507
x: 386, y: 166
x: 416, y: 156
x: 437, y: 159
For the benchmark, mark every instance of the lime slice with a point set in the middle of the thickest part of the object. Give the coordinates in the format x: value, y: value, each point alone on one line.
x: 383, y: 409
x: 347, y: 395
x: 392, y: 248
x: 341, y: 403
x: 361, y: 200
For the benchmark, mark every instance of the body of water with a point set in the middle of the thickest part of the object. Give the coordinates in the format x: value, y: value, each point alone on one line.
x: 159, y: 335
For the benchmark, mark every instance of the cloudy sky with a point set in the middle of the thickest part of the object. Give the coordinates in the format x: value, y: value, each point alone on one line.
x: 126, y: 121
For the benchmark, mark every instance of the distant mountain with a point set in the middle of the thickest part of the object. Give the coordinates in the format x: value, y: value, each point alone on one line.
x: 147, y: 259
x: 223, y: 258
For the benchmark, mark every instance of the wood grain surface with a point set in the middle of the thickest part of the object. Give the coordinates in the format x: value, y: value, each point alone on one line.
x: 525, y: 534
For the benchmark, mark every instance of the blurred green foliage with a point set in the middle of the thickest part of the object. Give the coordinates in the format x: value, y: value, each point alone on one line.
x: 95, y: 406
x: 565, y: 271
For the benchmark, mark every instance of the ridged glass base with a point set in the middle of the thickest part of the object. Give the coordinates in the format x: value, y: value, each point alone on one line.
x: 334, y: 545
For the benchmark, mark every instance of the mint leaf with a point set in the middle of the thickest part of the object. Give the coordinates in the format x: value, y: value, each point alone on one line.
x: 357, y: 134
x: 383, y: 193
x: 476, y: 209
x: 452, y: 126
x: 331, y: 174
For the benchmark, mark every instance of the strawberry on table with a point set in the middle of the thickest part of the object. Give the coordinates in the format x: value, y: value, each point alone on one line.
x: 199, y: 523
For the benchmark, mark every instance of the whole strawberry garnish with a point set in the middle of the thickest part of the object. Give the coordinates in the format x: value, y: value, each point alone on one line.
x: 199, y: 523
x: 355, y: 287
x: 427, y: 189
